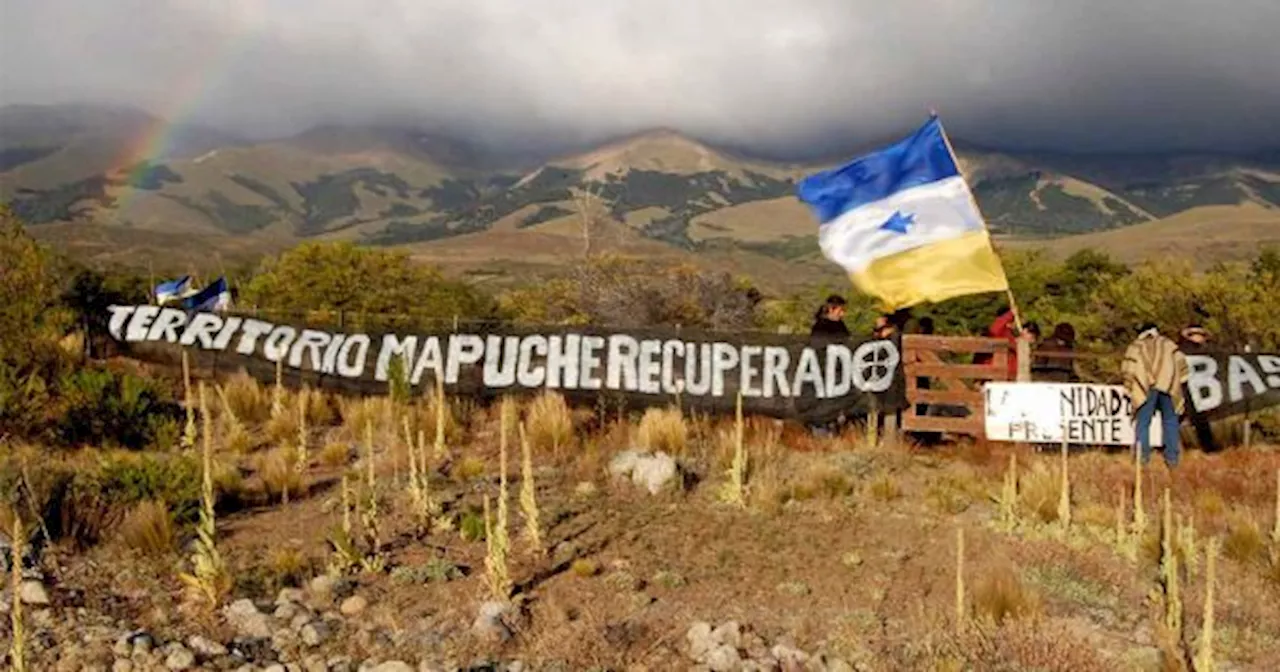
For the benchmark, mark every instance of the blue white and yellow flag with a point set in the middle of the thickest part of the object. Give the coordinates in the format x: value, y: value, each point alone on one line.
x: 904, y: 224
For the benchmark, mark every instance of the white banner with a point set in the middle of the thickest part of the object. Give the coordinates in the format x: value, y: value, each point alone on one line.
x: 1093, y: 415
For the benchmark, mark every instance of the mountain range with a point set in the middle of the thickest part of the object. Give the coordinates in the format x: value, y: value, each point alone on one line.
x: 104, y: 178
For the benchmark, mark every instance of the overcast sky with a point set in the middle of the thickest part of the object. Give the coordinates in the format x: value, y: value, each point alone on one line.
x: 778, y: 76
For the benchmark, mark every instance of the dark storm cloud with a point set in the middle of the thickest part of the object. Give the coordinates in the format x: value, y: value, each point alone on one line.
x: 778, y: 76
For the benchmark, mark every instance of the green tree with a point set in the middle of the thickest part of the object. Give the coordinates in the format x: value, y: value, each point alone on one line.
x: 319, y: 281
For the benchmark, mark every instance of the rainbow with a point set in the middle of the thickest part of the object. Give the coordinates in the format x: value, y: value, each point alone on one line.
x: 213, y: 66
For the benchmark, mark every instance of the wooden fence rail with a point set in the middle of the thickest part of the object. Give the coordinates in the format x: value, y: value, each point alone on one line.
x: 944, y: 386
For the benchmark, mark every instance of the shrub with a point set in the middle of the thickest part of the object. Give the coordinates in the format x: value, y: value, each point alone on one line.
x: 107, y: 408
x: 663, y: 429
x: 549, y: 422
x: 245, y: 398
x: 278, y: 473
x: 335, y: 454
x: 1244, y: 541
x: 1002, y: 595
x: 148, y: 528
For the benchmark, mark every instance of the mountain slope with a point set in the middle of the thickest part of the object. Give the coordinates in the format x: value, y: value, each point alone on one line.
x: 650, y: 193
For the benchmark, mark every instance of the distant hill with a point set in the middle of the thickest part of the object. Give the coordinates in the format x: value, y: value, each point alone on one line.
x: 653, y: 193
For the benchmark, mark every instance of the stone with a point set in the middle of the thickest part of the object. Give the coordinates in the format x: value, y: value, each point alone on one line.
x: 315, y: 634
x: 340, y: 664
x: 290, y: 596
x: 300, y: 619
x: 700, y: 640
x: 244, y: 617
x: 723, y: 658
x: 205, y: 647
x: 33, y: 593
x: 122, y: 665
x: 655, y: 472
x: 285, y: 611
x: 490, y: 624
x: 314, y: 664
x: 729, y: 633
x: 277, y: 667
x: 839, y: 665
x: 353, y: 605
x: 789, y: 658
x: 283, y: 639
x: 624, y: 463
x: 394, y: 666
x: 179, y: 658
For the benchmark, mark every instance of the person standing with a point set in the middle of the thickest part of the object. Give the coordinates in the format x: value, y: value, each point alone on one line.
x: 828, y: 322
x: 1194, y: 340
x: 1154, y: 374
x: 1054, y: 360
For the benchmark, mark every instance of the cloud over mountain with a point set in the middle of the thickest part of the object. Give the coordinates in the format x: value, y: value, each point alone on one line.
x: 776, y: 76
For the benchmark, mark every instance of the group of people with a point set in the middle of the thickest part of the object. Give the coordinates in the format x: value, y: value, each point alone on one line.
x: 1155, y: 368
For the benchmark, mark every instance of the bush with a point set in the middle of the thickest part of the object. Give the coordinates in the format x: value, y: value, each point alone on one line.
x: 102, y: 407
x: 148, y: 528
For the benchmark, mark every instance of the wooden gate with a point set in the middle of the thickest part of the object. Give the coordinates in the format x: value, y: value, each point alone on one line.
x: 951, y: 400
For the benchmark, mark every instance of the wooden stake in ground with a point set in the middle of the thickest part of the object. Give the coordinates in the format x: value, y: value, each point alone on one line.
x: 17, y: 649
x: 960, y: 608
x: 1204, y: 653
x: 1064, y: 500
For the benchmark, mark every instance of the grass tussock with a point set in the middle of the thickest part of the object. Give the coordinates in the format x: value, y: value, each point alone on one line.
x: 663, y: 429
x: 884, y: 487
x: 1001, y: 595
x: 549, y: 423
x: 335, y: 454
x: 1039, y: 492
x: 246, y: 399
x: 148, y: 528
x: 1244, y: 541
x: 279, y: 477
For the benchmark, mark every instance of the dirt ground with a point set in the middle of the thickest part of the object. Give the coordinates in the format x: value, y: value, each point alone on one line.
x: 842, y: 549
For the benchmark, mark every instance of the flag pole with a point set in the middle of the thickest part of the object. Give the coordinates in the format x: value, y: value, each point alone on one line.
x: 1013, y: 304
x: 151, y: 280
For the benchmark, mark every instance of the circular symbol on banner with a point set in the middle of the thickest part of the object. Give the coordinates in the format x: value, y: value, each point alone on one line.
x: 874, y: 364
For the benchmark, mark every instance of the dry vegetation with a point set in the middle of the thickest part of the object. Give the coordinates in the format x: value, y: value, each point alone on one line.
x: 837, y: 545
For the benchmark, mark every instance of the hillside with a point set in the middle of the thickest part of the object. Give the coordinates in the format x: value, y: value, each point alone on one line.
x: 1205, y: 235
x: 653, y: 193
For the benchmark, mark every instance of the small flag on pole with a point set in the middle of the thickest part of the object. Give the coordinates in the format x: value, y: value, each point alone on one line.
x: 216, y: 297
x: 903, y: 223
x: 173, y: 289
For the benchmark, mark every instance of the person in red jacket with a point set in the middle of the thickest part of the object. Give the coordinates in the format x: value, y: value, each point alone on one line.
x: 1004, y: 326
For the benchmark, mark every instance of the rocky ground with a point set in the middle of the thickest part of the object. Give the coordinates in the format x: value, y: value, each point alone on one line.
x: 842, y: 557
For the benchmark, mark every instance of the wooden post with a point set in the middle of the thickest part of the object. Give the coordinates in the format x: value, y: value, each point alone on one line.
x: 1013, y: 305
x: 1024, y: 360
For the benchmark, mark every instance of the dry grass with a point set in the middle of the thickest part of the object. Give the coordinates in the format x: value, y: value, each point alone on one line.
x: 549, y: 423
x: 884, y: 487
x: 320, y: 410
x: 1001, y: 595
x: 663, y: 429
x: 335, y: 454
x: 287, y: 566
x: 276, y: 469
x: 1209, y: 504
x: 245, y: 398
x: 148, y: 528
x: 1039, y: 491
x: 1244, y: 541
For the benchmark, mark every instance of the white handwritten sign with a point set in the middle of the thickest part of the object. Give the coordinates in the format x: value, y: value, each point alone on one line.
x: 1094, y: 415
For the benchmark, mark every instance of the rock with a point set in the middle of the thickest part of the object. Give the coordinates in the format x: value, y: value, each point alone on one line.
x: 353, y: 605
x: 324, y: 588
x: 340, y: 664
x: 394, y: 666
x: 315, y: 634
x: 244, y: 617
x: 839, y: 665
x: 285, y: 611
x: 723, y: 658
x: 33, y: 593
x: 624, y: 463
x: 290, y: 596
x: 654, y: 472
x: 276, y: 668
x: 205, y: 647
x: 788, y: 657
x: 700, y: 640
x: 179, y: 658
x: 283, y: 639
x: 729, y: 634
x: 136, y: 642
x: 314, y: 664
x: 122, y: 665
x: 490, y: 623
x: 300, y: 619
